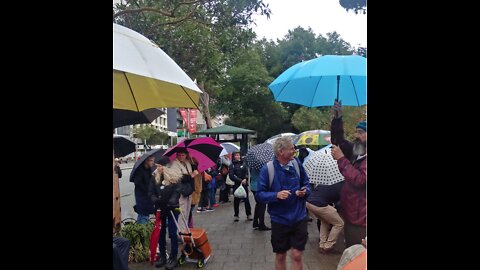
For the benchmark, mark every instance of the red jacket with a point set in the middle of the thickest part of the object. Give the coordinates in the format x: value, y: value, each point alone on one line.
x: 353, y: 196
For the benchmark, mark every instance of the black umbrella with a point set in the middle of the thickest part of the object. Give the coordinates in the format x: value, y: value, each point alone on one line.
x: 156, y: 153
x: 125, y: 117
x: 122, y: 146
x: 258, y: 155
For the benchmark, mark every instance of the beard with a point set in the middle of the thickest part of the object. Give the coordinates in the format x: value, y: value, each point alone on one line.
x: 359, y: 148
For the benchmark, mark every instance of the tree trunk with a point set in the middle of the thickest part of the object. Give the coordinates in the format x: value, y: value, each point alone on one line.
x: 205, y: 99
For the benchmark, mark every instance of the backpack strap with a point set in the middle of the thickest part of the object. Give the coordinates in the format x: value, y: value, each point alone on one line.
x: 297, y: 168
x: 271, y: 171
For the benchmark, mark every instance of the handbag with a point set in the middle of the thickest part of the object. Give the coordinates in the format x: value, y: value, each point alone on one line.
x: 229, y: 181
x: 240, y: 192
x: 186, y: 185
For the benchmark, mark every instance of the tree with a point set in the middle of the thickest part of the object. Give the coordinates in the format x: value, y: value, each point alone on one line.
x: 150, y: 135
x: 355, y: 5
x: 200, y: 36
x: 246, y: 99
x: 320, y: 118
x: 351, y: 117
x: 311, y: 118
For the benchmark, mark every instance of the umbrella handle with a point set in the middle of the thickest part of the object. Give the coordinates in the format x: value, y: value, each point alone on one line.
x: 338, y: 86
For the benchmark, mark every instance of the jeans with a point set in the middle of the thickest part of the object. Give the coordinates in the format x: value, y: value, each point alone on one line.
x: 212, y: 196
x: 142, y: 219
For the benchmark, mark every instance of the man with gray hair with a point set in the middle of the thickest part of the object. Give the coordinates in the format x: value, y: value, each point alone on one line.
x: 286, y: 196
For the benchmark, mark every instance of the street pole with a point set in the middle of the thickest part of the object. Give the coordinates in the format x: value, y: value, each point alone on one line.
x: 188, y: 124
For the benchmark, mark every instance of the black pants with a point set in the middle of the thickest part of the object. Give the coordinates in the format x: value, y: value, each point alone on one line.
x: 204, y: 198
x: 236, y: 204
x: 224, y: 193
x: 354, y: 234
x: 259, y: 212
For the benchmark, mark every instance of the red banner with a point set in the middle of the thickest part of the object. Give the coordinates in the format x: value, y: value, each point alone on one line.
x: 183, y: 113
x: 192, y: 127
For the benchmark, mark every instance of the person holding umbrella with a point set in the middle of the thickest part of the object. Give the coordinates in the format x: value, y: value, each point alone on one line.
x: 164, y: 193
x: 352, y: 163
x: 142, y: 177
x: 183, y: 166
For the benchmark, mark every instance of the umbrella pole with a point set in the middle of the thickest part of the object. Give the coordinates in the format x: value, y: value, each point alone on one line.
x: 338, y: 86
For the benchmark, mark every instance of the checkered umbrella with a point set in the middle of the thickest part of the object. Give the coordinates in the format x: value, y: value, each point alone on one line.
x: 322, y: 169
x: 258, y: 155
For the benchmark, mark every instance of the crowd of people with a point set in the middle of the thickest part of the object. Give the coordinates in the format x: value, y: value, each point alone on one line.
x: 282, y: 185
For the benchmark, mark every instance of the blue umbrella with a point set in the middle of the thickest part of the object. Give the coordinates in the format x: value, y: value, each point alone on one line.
x: 318, y: 82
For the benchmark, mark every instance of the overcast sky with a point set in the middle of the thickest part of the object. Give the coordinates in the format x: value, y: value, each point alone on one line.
x: 322, y: 16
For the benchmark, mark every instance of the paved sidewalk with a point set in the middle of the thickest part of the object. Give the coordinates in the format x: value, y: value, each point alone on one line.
x: 235, y: 245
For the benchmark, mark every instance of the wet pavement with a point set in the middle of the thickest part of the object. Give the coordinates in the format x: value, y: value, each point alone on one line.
x: 236, y: 245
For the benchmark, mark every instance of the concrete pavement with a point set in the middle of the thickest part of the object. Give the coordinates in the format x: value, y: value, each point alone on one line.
x: 235, y: 245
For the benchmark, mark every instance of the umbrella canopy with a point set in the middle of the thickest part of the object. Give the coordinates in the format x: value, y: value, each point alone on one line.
x: 126, y: 117
x: 318, y: 82
x: 258, y: 155
x: 316, y: 137
x: 145, y: 77
x: 230, y: 147
x: 154, y: 237
x: 322, y: 168
x: 206, y: 150
x: 156, y: 153
x: 272, y: 139
x: 122, y: 146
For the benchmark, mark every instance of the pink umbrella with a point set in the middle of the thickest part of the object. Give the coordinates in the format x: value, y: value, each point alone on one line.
x: 206, y: 150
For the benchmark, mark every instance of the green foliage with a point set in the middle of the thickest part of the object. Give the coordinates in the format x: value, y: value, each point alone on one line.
x: 358, y: 6
x: 311, y: 118
x: 320, y: 118
x: 351, y: 117
x: 139, y: 236
x: 151, y: 135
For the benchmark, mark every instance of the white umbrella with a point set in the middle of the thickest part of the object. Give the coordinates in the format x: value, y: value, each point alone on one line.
x: 322, y: 169
x: 145, y: 77
x: 272, y: 139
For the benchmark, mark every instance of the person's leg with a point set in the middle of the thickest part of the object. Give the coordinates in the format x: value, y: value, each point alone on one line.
x: 185, y: 208
x: 354, y: 234
x: 256, y: 218
x: 298, y: 240
x: 236, y: 206
x: 280, y: 244
x: 281, y: 261
x: 212, y: 197
x: 142, y: 219
x: 190, y: 216
x: 162, y: 260
x: 331, y: 216
x: 248, y: 208
x: 172, y: 234
x: 315, y: 210
x: 261, y: 215
x: 296, y: 259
